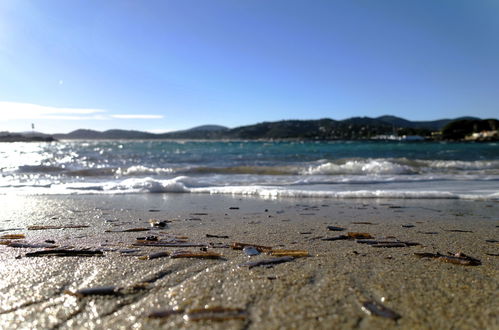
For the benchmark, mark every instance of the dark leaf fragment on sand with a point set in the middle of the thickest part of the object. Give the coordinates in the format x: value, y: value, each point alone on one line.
x: 457, y: 258
x: 334, y: 228
x: 267, y: 262
x: 164, y: 313
x: 56, y: 227
x: 97, y: 291
x: 375, y: 308
x: 217, y: 236
x: 458, y: 231
x: 216, y: 314
x: 65, y: 253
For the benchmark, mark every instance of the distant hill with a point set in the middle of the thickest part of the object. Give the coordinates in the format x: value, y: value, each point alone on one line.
x: 321, y: 129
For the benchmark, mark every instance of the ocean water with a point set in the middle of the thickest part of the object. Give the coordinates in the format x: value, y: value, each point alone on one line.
x: 339, y: 169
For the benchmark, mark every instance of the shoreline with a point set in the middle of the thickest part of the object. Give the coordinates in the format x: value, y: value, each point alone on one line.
x: 325, y: 290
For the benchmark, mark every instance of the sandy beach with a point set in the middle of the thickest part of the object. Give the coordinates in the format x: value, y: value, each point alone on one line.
x: 332, y: 288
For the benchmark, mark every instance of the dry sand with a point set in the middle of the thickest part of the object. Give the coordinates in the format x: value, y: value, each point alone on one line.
x: 323, y: 291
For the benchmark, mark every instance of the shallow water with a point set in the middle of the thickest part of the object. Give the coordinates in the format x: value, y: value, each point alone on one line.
x: 337, y: 169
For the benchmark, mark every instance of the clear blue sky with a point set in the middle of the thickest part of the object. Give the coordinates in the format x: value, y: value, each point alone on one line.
x: 166, y: 65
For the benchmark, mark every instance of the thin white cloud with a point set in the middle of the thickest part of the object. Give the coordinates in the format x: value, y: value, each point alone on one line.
x: 139, y: 116
x: 16, y: 110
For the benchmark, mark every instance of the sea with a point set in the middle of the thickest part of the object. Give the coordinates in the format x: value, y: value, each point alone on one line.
x: 264, y: 169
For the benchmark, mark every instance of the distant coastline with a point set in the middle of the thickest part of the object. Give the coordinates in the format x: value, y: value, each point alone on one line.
x: 385, y: 128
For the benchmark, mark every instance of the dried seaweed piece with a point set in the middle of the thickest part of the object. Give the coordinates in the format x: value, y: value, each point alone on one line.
x: 216, y: 314
x: 31, y: 245
x: 387, y: 244
x: 164, y: 313
x: 13, y: 236
x: 359, y: 235
x: 375, y: 308
x: 250, y: 251
x: 334, y: 228
x: 155, y: 255
x: 491, y: 241
x: 65, y: 253
x: 289, y: 253
x: 458, y: 258
x: 96, y: 291
x: 56, y: 227
x: 428, y: 232
x: 148, y: 238
x: 196, y: 254
x: 336, y: 238
x: 240, y: 246
x: 217, y: 236
x: 130, y: 230
x: 168, y: 244
x: 458, y: 231
x: 219, y: 245
x: 408, y: 226
x: 267, y: 262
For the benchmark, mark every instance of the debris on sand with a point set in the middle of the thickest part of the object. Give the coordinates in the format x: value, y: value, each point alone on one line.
x: 36, y: 227
x: 359, y: 235
x: 155, y: 255
x: 375, y: 308
x: 65, y: 253
x: 217, y: 236
x: 131, y: 230
x: 97, y: 291
x: 164, y: 313
x: 167, y: 244
x: 13, y: 236
x: 31, y: 245
x: 289, y: 253
x: 196, y: 254
x: 216, y: 314
x: 157, y: 223
x: 250, y: 251
x: 334, y: 228
x: 267, y: 262
x: 457, y: 258
x: 387, y: 244
x: 240, y: 246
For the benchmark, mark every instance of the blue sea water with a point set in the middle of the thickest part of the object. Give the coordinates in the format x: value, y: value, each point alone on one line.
x: 339, y: 169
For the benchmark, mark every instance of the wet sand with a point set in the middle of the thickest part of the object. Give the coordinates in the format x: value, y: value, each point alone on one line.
x: 325, y: 290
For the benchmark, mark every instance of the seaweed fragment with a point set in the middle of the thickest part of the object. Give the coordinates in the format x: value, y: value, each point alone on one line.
x: 155, y: 255
x: 334, y: 228
x: 216, y: 314
x: 65, y: 253
x: 130, y: 230
x: 217, y: 236
x: 372, y: 307
x: 13, y: 236
x: 457, y: 258
x: 266, y: 262
x: 289, y: 253
x: 36, y: 227
x: 167, y: 244
x: 357, y: 235
x: 96, y: 291
x: 164, y: 313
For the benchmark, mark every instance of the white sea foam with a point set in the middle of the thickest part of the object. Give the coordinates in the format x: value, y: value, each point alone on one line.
x: 372, y: 166
x: 142, y: 170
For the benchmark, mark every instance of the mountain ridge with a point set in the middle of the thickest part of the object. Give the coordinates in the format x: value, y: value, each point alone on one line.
x: 317, y: 129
